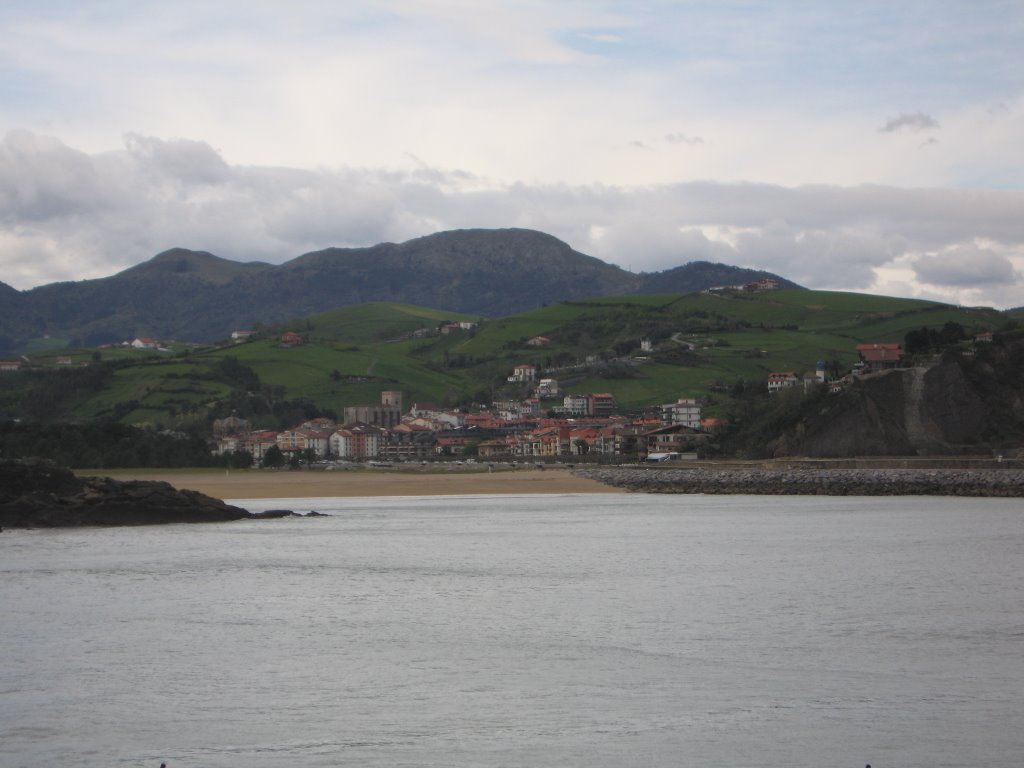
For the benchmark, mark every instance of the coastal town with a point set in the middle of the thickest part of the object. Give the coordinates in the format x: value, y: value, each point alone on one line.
x: 548, y: 425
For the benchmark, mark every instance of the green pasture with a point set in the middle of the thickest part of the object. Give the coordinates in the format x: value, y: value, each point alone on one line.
x: 376, y: 322
x: 160, y: 390
x: 306, y: 372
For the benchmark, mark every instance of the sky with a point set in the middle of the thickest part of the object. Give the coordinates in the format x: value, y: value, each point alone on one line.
x: 859, y: 146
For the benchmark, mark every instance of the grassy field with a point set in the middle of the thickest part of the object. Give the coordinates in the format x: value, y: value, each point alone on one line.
x: 375, y: 322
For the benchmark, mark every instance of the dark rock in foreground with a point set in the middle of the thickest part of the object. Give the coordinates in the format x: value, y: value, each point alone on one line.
x: 825, y: 482
x: 39, y: 494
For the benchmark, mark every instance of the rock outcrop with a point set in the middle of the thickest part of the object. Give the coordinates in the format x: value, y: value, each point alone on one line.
x: 39, y: 494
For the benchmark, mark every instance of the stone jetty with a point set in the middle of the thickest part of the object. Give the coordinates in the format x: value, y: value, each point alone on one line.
x: 814, y: 481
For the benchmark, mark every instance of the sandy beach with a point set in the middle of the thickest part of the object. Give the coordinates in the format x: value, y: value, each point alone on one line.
x: 267, y: 484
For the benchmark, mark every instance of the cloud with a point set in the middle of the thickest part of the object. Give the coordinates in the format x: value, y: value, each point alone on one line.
x: 41, y: 178
x: 682, y: 138
x: 916, y: 122
x: 180, y: 160
x: 966, y: 265
x: 68, y: 214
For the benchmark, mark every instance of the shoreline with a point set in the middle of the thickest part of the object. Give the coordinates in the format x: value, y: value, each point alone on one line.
x: 298, y: 484
x: 791, y: 478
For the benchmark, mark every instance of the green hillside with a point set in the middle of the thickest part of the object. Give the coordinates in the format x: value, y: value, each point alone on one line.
x: 375, y: 322
x: 702, y: 345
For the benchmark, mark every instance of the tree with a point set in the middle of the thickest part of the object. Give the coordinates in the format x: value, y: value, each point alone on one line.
x: 238, y: 374
x: 239, y: 459
x: 273, y: 457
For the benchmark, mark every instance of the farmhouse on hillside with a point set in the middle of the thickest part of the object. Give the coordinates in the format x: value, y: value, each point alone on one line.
x: 878, y: 357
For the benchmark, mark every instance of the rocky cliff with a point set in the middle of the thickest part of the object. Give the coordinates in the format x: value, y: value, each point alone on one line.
x: 960, y: 405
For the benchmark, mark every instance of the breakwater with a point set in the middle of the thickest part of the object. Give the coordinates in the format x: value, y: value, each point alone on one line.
x: 820, y: 482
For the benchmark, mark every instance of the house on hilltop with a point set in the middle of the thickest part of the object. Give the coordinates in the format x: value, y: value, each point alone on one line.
x: 879, y: 357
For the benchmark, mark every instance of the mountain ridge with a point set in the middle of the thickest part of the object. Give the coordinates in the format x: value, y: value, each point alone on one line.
x: 198, y: 296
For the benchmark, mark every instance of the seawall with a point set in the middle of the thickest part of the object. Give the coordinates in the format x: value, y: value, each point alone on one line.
x: 814, y: 481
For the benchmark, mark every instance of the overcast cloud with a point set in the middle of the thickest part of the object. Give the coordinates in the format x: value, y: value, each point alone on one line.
x: 857, y: 146
x: 918, y: 121
x: 92, y: 215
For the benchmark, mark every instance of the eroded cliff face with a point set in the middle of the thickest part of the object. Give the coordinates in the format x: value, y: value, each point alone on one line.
x: 938, y: 410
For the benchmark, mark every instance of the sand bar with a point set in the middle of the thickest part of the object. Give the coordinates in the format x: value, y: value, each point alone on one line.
x: 298, y: 484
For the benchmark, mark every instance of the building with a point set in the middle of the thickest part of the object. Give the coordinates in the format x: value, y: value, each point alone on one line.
x: 9, y: 366
x: 392, y: 397
x: 621, y: 440
x: 292, y: 339
x: 386, y: 416
x: 524, y: 373
x: 547, y: 388
x: 879, y: 357
x: 539, y: 341
x: 686, y: 411
x: 573, y: 405
x: 257, y: 443
x: 317, y: 441
x: 230, y: 425
x: 143, y: 342
x: 240, y: 336
x: 437, y: 417
x: 463, y: 325
x: 600, y: 404
x: 358, y: 441
x: 671, y: 439
x: 515, y: 410
x: 781, y: 380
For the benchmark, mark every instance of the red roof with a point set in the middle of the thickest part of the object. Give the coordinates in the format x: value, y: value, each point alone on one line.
x: 877, y: 353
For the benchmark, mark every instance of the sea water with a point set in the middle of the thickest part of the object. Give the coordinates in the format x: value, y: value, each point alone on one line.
x: 574, y: 630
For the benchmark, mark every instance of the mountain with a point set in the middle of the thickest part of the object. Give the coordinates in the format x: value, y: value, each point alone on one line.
x: 180, y: 262
x: 197, y: 296
x: 698, y: 275
x: 17, y: 322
